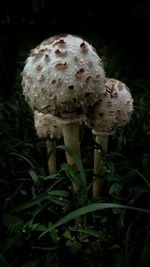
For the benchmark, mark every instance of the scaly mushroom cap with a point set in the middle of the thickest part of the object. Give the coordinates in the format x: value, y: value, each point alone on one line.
x: 112, y: 111
x: 46, y: 126
x: 62, y: 74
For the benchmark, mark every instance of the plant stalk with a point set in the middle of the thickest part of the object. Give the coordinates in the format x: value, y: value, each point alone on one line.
x: 99, y: 165
x: 51, y: 151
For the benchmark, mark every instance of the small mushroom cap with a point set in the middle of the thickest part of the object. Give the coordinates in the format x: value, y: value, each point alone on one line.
x: 112, y: 111
x: 46, y: 126
x: 62, y: 74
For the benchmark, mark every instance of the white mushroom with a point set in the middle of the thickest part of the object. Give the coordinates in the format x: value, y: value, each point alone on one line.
x: 113, y: 110
x: 64, y: 75
x: 47, y: 127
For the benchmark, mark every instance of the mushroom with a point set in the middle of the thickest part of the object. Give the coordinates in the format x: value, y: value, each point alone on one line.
x: 63, y: 76
x: 47, y: 127
x: 113, y: 110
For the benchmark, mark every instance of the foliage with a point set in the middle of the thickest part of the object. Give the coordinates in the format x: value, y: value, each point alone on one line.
x: 38, y: 210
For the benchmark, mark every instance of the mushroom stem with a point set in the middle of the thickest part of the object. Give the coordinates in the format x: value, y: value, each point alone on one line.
x: 102, y: 140
x: 51, y: 148
x: 72, y: 141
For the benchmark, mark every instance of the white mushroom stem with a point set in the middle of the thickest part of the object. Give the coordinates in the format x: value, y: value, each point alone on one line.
x: 72, y: 141
x: 51, y: 152
x: 99, y: 166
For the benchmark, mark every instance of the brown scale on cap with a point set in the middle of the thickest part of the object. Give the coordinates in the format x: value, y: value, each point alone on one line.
x: 120, y: 86
x: 74, y: 100
x: 104, y: 94
x: 128, y: 102
x: 36, y: 56
x: 61, y: 66
x: 88, y: 94
x: 61, y: 43
x: 41, y: 51
x: 48, y: 41
x: 87, y: 79
x: 84, y: 47
x: 42, y: 78
x: 38, y: 67
x: 76, y: 59
x: 109, y: 103
x: 33, y: 54
x: 110, y: 87
x: 111, y: 112
x: 94, y: 49
x: 29, y: 77
x: 60, y: 53
x: 52, y: 39
x: 79, y: 72
x: 56, y: 82
x: 71, y: 87
x: 46, y: 57
x: 97, y: 77
x: 90, y: 63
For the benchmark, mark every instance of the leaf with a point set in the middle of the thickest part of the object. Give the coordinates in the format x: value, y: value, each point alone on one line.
x: 33, y: 263
x: 34, y: 177
x: 12, y: 223
x: 145, y: 179
x: 38, y: 199
x: 90, y: 208
x: 52, y: 176
x: 3, y: 262
x: 115, y: 188
x: 24, y: 158
x: 33, y: 202
x: 78, y: 164
x: 74, y: 247
x: 89, y: 232
x: 70, y: 174
x: 67, y: 234
x: 59, y: 193
x: 38, y: 227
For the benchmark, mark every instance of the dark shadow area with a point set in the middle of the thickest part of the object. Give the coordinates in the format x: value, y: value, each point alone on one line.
x: 110, y: 237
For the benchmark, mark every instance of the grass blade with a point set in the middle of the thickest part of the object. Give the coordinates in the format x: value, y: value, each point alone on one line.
x: 90, y: 208
x: 79, y: 166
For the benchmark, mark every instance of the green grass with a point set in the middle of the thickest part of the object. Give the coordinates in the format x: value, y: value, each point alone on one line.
x: 38, y: 210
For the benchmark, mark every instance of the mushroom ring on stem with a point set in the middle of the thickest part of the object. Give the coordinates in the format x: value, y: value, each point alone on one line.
x: 113, y: 110
x: 62, y: 75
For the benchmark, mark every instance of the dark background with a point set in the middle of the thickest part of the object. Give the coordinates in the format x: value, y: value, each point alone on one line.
x: 121, y: 33
x: 124, y: 24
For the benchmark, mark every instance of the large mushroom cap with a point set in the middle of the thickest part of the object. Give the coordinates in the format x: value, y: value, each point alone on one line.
x: 46, y: 126
x: 62, y: 74
x: 112, y: 111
